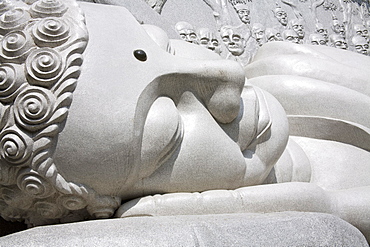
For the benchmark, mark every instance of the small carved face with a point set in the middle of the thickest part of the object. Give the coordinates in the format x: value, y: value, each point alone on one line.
x: 297, y: 26
x: 361, y: 30
x: 272, y: 35
x: 317, y: 39
x: 244, y: 15
x: 339, y: 29
x: 234, y: 42
x: 338, y: 41
x: 361, y: 45
x: 291, y: 36
x: 282, y: 17
x: 259, y: 33
x: 321, y: 30
x: 188, y: 35
x: 186, y: 32
x: 208, y: 40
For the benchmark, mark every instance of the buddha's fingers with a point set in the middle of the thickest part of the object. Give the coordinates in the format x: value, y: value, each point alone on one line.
x: 256, y: 199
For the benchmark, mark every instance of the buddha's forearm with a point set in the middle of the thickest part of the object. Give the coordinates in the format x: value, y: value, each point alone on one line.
x: 264, y: 198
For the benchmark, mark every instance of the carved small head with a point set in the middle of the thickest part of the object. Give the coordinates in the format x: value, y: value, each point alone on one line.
x: 361, y: 45
x: 297, y: 26
x: 209, y: 40
x: 273, y: 35
x: 338, y: 41
x: 281, y: 15
x: 317, y: 39
x: 233, y: 40
x: 338, y: 28
x: 243, y: 12
x: 361, y: 30
x: 291, y: 36
x: 320, y: 29
x: 258, y: 31
x: 186, y: 32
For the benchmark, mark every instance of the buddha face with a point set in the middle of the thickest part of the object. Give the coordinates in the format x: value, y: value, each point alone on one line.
x: 234, y: 41
x: 272, y: 35
x: 317, y: 39
x: 143, y: 72
x: 281, y: 16
x: 291, y: 36
x: 297, y: 26
x: 361, y: 45
x: 186, y: 32
x: 116, y: 132
x: 208, y: 40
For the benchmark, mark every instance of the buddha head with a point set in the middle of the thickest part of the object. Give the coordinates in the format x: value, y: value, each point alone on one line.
x: 74, y: 142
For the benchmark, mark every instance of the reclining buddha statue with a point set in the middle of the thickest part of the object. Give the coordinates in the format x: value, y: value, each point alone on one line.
x: 104, y: 117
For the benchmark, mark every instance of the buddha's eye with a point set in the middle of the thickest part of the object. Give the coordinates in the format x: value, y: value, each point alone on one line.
x: 140, y: 55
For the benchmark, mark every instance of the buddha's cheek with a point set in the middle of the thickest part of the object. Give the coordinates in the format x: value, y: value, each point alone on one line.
x: 208, y: 158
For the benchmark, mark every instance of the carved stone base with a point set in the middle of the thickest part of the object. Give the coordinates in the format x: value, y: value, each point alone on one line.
x: 276, y: 229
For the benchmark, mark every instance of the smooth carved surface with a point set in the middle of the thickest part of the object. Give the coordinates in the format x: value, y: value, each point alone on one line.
x: 171, y: 128
x: 250, y: 230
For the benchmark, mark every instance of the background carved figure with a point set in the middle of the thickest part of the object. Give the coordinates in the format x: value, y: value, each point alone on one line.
x: 320, y: 29
x: 317, y: 39
x: 209, y: 40
x: 281, y: 15
x: 186, y: 32
x: 297, y: 26
x: 157, y: 5
x: 338, y: 41
x: 361, y: 44
x: 273, y: 35
x: 291, y: 36
x: 338, y: 28
x: 242, y: 9
x: 361, y: 30
x: 258, y: 33
x: 235, y: 41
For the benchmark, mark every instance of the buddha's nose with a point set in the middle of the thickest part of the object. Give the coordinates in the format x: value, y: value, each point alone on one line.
x: 217, y: 83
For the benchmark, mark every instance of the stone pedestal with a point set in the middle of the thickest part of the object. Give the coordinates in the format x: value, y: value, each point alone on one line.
x: 274, y: 229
